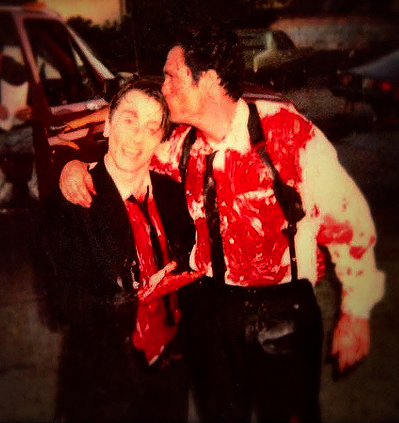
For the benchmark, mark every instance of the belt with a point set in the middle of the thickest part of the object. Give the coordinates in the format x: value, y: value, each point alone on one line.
x: 253, y: 292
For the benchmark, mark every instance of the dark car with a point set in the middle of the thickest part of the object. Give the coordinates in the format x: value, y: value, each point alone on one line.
x: 272, y: 59
x: 375, y: 83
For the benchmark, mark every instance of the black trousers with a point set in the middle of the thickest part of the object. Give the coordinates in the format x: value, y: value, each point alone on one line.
x: 102, y: 378
x: 248, y: 355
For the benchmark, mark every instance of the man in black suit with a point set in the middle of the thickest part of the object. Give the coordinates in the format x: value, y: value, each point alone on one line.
x: 122, y: 356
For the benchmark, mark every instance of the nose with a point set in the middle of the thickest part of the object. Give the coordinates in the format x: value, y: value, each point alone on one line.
x: 138, y: 134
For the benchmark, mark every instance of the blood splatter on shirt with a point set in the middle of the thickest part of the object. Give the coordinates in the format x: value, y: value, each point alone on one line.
x: 252, y: 222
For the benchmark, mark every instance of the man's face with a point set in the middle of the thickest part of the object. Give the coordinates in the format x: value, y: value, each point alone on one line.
x: 134, y: 132
x: 181, y: 92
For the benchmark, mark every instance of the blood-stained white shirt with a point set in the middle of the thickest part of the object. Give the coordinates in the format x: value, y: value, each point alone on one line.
x: 255, y: 247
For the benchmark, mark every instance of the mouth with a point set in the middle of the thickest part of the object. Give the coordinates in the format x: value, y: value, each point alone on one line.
x: 132, y: 153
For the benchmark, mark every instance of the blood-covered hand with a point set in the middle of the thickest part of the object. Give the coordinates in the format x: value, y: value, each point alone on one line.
x: 351, y: 340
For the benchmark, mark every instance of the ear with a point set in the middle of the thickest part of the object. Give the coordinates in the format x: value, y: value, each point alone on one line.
x: 210, y: 80
x: 106, y: 128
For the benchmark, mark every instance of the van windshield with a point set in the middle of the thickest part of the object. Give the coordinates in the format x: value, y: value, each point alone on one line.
x: 64, y: 71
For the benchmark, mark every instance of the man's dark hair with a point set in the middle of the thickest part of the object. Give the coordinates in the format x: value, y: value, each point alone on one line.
x: 214, y: 47
x: 152, y: 90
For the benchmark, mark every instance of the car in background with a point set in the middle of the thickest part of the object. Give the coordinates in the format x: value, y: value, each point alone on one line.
x: 272, y: 59
x: 64, y: 80
x: 375, y: 83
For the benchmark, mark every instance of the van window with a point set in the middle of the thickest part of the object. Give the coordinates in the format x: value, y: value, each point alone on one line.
x: 14, y: 84
x: 283, y: 41
x: 63, y: 70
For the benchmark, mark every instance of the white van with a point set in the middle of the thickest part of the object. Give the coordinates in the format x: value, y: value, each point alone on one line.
x: 61, y: 79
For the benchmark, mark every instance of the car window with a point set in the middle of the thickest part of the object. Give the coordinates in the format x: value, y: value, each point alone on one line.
x: 283, y: 41
x: 14, y: 85
x: 64, y: 72
x: 252, y: 41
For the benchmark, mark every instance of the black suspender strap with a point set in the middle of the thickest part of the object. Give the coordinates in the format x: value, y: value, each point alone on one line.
x: 213, y: 221
x: 211, y: 210
x: 287, y: 196
x: 187, y: 144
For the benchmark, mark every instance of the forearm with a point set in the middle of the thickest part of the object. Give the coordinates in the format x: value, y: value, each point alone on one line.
x: 362, y: 283
x: 345, y: 226
x: 352, y: 242
x: 95, y: 117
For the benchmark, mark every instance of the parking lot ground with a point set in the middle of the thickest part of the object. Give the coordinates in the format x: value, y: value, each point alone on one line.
x: 29, y: 350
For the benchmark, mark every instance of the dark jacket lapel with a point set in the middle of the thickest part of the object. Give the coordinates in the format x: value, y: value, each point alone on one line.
x: 111, y: 223
x: 178, y: 225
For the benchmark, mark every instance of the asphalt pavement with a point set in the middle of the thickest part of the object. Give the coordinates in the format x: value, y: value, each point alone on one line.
x: 29, y: 347
x: 369, y: 151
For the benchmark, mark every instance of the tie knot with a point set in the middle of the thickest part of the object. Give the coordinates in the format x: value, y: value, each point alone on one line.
x: 142, y: 204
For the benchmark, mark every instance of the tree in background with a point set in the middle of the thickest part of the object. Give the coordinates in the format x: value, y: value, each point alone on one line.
x: 140, y: 42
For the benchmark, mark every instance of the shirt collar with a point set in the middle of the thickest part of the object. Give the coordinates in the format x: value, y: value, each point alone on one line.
x: 238, y: 137
x: 133, y: 199
x: 148, y: 195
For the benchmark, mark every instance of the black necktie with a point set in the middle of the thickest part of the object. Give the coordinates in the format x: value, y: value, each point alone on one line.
x: 213, y: 221
x: 158, y: 256
x: 156, y: 246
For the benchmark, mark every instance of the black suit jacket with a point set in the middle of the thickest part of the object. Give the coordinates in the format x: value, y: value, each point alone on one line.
x: 91, y: 249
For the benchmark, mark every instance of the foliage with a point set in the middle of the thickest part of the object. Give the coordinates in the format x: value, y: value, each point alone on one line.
x: 141, y: 40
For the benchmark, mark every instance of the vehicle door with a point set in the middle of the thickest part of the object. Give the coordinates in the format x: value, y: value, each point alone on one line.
x: 68, y: 83
x: 16, y: 144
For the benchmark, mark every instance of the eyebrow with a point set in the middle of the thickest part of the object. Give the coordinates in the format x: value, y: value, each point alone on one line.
x: 130, y: 112
x: 135, y: 114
